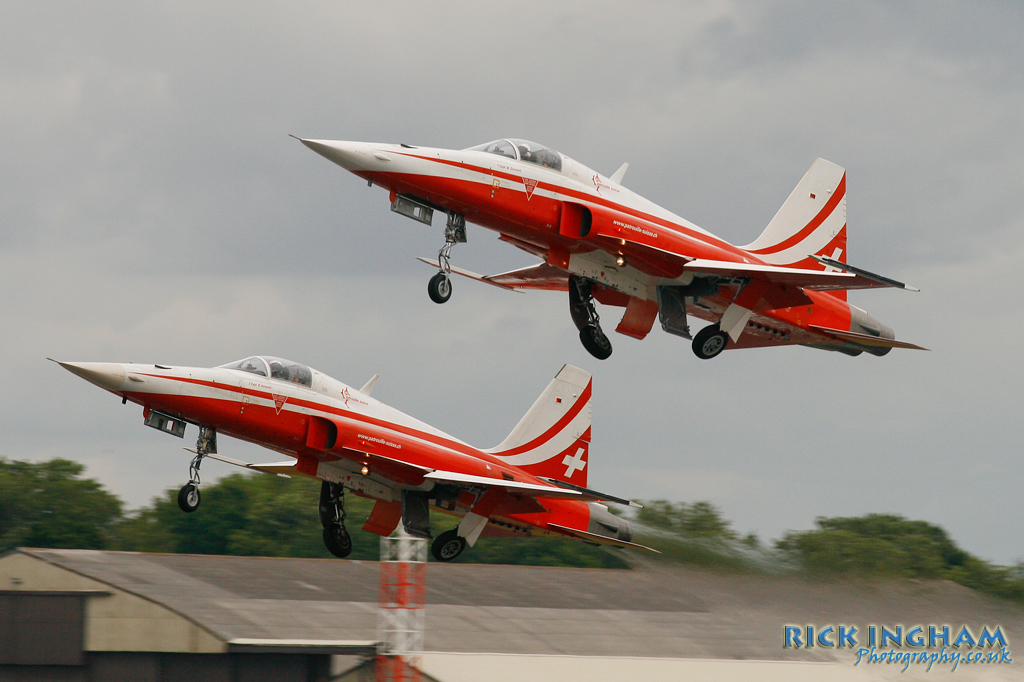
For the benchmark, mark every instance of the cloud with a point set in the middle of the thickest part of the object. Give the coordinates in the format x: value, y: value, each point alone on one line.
x: 155, y: 209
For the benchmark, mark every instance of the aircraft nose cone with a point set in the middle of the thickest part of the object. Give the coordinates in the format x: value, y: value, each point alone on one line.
x: 349, y: 155
x: 108, y: 375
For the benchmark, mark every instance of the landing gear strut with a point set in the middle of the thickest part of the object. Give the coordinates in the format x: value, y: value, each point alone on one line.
x: 440, y: 285
x: 188, y: 496
x: 584, y: 316
x: 332, y: 518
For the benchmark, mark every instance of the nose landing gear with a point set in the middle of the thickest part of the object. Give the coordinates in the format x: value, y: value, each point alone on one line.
x: 440, y: 286
x: 584, y: 316
x: 188, y: 496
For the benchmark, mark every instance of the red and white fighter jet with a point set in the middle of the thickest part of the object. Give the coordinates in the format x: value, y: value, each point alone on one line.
x: 532, y: 484
x: 598, y: 240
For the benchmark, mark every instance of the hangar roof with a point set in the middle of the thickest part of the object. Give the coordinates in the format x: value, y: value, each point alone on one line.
x: 652, y: 611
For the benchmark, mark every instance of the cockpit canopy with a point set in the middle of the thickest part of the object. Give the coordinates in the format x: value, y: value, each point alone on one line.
x: 274, y: 368
x: 523, y: 150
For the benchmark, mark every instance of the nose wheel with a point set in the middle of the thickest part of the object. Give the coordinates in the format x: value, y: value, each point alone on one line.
x: 440, y: 286
x: 332, y: 517
x: 585, y: 317
x: 188, y: 496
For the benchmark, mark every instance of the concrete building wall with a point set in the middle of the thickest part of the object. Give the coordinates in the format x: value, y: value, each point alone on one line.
x: 118, y: 621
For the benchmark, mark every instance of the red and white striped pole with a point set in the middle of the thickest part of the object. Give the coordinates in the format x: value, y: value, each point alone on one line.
x: 402, y: 612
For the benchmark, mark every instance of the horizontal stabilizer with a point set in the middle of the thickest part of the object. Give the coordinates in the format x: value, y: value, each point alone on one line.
x: 883, y: 281
x: 865, y: 339
x: 816, y: 280
x: 601, y: 539
x: 540, y: 276
x: 600, y: 497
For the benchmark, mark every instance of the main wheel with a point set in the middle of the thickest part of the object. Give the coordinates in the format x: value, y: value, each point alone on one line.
x: 440, y: 288
x: 188, y: 498
x: 596, y: 343
x: 448, y: 545
x: 338, y: 541
x: 709, y: 342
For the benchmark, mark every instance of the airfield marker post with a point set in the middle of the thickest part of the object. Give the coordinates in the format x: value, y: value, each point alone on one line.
x: 402, y: 609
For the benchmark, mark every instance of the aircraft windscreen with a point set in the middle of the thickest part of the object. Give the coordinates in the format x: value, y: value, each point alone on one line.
x: 289, y: 371
x: 523, y: 150
x: 284, y: 370
x: 252, y: 365
x: 531, y: 152
x: 499, y: 147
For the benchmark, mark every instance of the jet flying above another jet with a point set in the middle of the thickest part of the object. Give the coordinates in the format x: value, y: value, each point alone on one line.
x: 533, y: 483
x: 599, y: 241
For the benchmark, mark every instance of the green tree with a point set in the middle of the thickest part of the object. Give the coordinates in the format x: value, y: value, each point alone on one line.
x: 49, y: 504
x: 876, y: 544
x: 697, y: 520
x: 252, y: 515
x: 887, y: 544
x: 271, y: 516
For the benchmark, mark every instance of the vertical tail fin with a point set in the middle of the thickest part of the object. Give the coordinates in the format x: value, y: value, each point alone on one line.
x: 812, y: 221
x: 553, y: 437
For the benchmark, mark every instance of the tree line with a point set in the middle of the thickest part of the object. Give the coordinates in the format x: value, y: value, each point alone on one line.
x: 50, y: 504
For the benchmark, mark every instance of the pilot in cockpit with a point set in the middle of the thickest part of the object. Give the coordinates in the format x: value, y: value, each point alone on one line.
x: 278, y: 371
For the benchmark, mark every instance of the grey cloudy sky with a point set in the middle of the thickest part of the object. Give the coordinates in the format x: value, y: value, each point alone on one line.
x: 154, y: 209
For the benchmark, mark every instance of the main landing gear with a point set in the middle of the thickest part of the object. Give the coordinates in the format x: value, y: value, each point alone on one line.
x: 440, y: 285
x: 709, y: 342
x: 332, y: 518
x: 188, y: 496
x: 584, y: 316
x: 448, y: 545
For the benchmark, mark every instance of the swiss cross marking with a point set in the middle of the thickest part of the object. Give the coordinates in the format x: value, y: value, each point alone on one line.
x: 835, y: 256
x: 574, y: 463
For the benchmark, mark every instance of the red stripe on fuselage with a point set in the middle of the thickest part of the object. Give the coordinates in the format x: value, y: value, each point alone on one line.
x: 355, y: 421
x: 576, y: 195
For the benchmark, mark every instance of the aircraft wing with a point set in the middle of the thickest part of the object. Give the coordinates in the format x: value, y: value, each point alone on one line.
x: 540, y: 276
x: 595, y: 538
x: 515, y: 487
x: 819, y: 280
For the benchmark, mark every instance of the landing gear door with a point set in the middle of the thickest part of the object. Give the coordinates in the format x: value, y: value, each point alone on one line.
x: 672, y: 311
